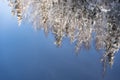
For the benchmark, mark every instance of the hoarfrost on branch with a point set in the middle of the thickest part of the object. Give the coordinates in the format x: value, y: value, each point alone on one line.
x: 78, y: 20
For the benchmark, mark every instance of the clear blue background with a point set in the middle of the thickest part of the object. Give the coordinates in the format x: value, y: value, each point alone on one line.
x: 27, y: 54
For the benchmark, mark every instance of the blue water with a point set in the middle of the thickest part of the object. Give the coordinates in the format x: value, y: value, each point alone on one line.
x: 27, y: 54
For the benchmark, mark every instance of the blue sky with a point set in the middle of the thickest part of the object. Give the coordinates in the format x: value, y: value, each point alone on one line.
x: 27, y: 54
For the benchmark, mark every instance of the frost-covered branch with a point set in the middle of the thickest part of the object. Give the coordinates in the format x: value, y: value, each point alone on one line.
x: 75, y: 19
